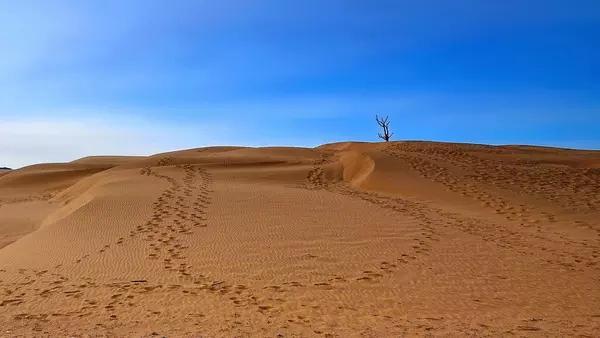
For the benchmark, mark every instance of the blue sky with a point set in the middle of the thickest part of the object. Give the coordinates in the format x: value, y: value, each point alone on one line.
x: 138, y: 77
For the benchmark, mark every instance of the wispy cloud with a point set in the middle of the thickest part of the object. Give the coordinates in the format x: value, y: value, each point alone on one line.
x: 38, y: 140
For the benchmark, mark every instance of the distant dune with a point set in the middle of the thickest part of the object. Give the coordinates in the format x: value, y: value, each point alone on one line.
x: 4, y: 170
x: 346, y: 239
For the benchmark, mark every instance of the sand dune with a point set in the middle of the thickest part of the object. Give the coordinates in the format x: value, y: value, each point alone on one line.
x: 346, y: 239
x: 4, y: 171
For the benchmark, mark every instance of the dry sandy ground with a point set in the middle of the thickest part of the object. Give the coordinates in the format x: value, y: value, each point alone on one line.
x: 348, y: 239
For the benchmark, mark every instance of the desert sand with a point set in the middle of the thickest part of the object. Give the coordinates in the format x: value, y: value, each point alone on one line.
x: 346, y: 239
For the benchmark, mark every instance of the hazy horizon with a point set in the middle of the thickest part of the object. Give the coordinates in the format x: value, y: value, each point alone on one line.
x: 104, y: 77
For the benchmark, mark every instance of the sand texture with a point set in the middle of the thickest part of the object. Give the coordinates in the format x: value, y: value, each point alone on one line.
x: 346, y: 239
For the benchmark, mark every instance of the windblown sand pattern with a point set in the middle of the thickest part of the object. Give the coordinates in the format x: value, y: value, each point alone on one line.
x: 347, y: 239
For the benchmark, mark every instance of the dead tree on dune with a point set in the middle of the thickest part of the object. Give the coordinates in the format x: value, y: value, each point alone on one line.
x: 384, y: 123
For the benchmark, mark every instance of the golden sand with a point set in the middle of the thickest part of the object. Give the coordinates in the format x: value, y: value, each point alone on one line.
x: 346, y: 239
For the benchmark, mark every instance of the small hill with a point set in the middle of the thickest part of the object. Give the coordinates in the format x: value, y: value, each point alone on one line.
x: 4, y: 170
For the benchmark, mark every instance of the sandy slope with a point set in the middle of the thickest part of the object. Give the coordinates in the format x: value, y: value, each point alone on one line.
x: 347, y: 239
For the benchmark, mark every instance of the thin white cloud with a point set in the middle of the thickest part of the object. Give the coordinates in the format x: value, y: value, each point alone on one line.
x: 29, y: 141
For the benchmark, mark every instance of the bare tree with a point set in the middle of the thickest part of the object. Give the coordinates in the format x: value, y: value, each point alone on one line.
x: 384, y: 123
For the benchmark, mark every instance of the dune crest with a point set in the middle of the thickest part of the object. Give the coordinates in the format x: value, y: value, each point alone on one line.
x: 346, y: 239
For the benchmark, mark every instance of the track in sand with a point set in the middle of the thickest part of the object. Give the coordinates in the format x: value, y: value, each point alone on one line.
x: 347, y: 239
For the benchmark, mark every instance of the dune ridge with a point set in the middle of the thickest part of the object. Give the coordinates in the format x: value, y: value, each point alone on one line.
x: 345, y: 239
